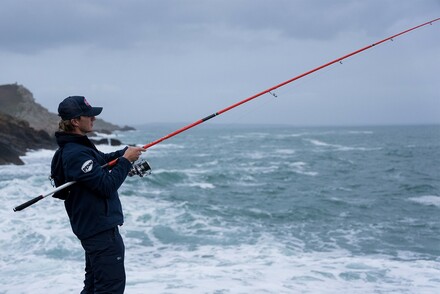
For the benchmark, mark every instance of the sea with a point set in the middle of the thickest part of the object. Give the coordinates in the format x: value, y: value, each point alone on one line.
x: 247, y: 209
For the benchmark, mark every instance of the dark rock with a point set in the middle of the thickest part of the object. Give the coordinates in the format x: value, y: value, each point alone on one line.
x: 9, y: 155
x: 109, y: 141
x: 17, y: 137
x: 127, y: 128
x: 19, y: 102
x: 26, y: 125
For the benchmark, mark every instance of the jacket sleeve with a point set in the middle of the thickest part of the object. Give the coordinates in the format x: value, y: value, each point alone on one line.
x: 84, y: 168
x: 113, y: 155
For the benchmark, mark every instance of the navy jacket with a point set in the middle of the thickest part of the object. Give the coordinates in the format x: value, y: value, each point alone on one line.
x: 93, y: 204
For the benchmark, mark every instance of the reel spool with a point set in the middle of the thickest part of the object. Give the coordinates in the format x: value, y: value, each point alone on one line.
x: 140, y: 168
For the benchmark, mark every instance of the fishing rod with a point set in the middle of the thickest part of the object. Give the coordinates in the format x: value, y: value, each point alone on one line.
x: 143, y: 167
x: 111, y: 163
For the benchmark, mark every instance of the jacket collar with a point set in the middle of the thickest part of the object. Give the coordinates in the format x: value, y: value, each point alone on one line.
x: 63, y: 138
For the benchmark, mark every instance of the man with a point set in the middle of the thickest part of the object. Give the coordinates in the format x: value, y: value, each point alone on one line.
x: 93, y: 204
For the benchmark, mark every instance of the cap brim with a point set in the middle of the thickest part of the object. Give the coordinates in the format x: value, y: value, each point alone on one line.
x: 94, y: 111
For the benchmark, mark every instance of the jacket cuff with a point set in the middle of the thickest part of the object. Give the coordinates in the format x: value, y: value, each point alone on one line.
x: 123, y: 160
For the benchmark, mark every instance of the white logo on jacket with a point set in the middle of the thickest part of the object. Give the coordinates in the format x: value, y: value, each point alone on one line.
x: 87, y: 166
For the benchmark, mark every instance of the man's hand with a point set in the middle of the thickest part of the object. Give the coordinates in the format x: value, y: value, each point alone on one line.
x: 133, y: 153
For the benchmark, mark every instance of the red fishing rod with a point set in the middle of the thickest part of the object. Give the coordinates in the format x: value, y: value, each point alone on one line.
x: 143, y: 168
x: 111, y: 163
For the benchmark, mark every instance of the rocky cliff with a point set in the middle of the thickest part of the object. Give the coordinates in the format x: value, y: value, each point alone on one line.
x: 25, y: 124
x: 17, y: 137
x: 19, y: 102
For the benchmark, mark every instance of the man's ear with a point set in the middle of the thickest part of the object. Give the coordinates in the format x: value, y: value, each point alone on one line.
x: 74, y: 122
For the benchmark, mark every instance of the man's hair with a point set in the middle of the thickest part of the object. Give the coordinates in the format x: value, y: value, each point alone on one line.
x: 66, y: 126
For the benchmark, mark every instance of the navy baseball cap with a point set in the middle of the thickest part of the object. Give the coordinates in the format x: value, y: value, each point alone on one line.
x: 76, y: 106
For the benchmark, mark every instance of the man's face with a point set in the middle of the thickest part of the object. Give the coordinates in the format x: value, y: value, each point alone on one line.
x: 85, y: 124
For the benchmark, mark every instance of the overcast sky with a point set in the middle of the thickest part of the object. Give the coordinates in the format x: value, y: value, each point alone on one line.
x: 179, y: 61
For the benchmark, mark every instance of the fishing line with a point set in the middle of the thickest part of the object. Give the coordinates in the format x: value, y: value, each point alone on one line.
x: 145, y: 166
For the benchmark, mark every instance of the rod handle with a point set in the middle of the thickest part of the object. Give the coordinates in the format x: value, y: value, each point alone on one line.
x: 28, y: 203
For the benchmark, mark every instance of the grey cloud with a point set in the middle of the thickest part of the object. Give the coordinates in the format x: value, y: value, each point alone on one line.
x: 209, y: 54
x: 31, y: 26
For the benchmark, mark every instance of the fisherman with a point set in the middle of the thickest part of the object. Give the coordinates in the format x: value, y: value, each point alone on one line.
x: 92, y: 204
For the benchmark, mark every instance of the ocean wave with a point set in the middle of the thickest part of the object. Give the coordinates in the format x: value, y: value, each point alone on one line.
x: 300, y: 167
x: 337, y: 147
x: 38, y: 154
x: 361, y: 132
x: 255, y: 155
x: 245, y: 136
x: 273, y: 214
x: 199, y: 185
x: 290, y: 135
x: 431, y: 200
x: 168, y: 146
x: 285, y: 151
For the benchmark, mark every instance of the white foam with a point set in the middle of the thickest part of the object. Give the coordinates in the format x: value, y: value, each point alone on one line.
x: 427, y: 200
x: 261, y: 268
x: 38, y: 154
x: 337, y: 147
x: 217, y: 254
x: 285, y: 151
x: 265, y: 265
x: 201, y: 185
x: 99, y: 135
x: 209, y: 163
x: 300, y: 168
x: 255, y: 155
x: 168, y: 146
x: 319, y: 143
x: 267, y: 269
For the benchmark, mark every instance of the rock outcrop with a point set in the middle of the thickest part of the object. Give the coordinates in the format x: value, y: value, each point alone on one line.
x: 19, y: 102
x: 17, y: 137
x: 26, y: 125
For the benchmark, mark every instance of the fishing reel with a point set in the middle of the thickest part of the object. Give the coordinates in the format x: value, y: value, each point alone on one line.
x: 140, y: 168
